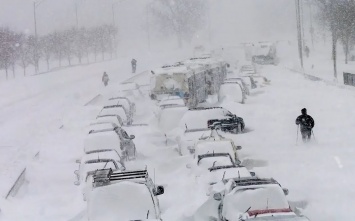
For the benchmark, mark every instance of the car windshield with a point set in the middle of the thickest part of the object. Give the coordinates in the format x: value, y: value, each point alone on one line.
x: 209, y: 162
x: 255, y: 197
x: 120, y: 111
x: 224, y: 146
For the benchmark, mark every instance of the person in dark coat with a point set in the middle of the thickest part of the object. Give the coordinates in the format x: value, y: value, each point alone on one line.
x: 134, y: 65
x: 306, y: 123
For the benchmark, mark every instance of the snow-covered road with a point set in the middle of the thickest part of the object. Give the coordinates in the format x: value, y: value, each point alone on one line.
x: 318, y: 175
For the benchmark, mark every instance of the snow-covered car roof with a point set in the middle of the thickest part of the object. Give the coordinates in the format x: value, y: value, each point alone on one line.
x: 124, y: 103
x: 101, y: 126
x: 211, y: 146
x: 121, y: 201
x: 258, y: 199
x: 115, y: 110
x: 109, y: 118
x: 211, y: 160
x: 169, y: 118
x: 231, y: 91
x: 226, y: 172
x: 100, y: 154
x: 197, y: 118
x: 102, y: 140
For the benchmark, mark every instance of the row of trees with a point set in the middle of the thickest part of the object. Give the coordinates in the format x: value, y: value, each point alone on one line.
x: 24, y: 50
x: 339, y: 17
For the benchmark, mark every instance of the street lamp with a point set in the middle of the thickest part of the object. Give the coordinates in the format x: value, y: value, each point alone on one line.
x: 35, y: 5
x: 299, y: 30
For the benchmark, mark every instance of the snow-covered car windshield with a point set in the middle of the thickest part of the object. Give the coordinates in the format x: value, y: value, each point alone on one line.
x: 257, y: 198
x: 121, y: 201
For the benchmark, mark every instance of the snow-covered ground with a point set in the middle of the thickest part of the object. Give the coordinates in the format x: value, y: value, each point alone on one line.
x: 46, y: 113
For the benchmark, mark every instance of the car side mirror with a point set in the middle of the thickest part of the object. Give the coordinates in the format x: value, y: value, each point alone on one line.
x: 76, y: 183
x: 77, y: 161
x: 132, y: 137
x: 286, y: 191
x: 252, y: 174
x: 217, y: 196
x: 188, y: 166
x: 122, y: 168
x: 239, y: 147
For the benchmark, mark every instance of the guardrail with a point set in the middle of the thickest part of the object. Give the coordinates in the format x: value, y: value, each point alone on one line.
x: 17, y: 185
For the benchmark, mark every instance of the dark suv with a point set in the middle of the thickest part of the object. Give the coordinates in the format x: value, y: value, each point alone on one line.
x: 231, y: 123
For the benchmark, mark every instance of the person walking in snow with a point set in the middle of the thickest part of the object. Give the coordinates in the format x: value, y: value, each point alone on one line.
x: 306, y: 123
x: 105, y: 79
x: 306, y: 50
x: 134, y: 65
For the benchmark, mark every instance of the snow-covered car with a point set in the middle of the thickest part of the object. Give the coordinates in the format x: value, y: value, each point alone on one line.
x: 125, y: 102
x: 169, y: 117
x: 201, y: 117
x: 203, y: 162
x: 254, y: 199
x: 247, y: 70
x: 232, y: 91
x: 171, y: 102
x: 116, y: 138
x: 261, y: 81
x: 218, y: 173
x: 210, y: 168
x: 219, y: 144
x: 95, y: 160
x: 117, y: 110
x: 129, y: 195
x: 246, y: 87
x: 101, y: 126
x: 186, y: 141
x: 109, y: 118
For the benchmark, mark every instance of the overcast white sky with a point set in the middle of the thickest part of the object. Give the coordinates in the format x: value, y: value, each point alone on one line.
x: 231, y: 20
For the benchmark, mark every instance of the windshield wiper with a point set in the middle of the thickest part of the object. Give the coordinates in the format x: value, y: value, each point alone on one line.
x: 148, y: 214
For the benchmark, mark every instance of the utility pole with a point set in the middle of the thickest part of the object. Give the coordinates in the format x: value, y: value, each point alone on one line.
x: 36, y: 45
x: 302, y: 23
x: 148, y: 26
x: 311, y: 24
x: 76, y: 15
x: 299, y: 34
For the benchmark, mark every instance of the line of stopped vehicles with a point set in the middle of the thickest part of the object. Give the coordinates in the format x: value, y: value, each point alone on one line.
x: 115, y: 191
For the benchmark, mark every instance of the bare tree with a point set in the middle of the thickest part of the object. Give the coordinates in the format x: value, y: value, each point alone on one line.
x: 7, y: 49
x: 24, y: 53
x: 332, y: 13
x: 182, y: 18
